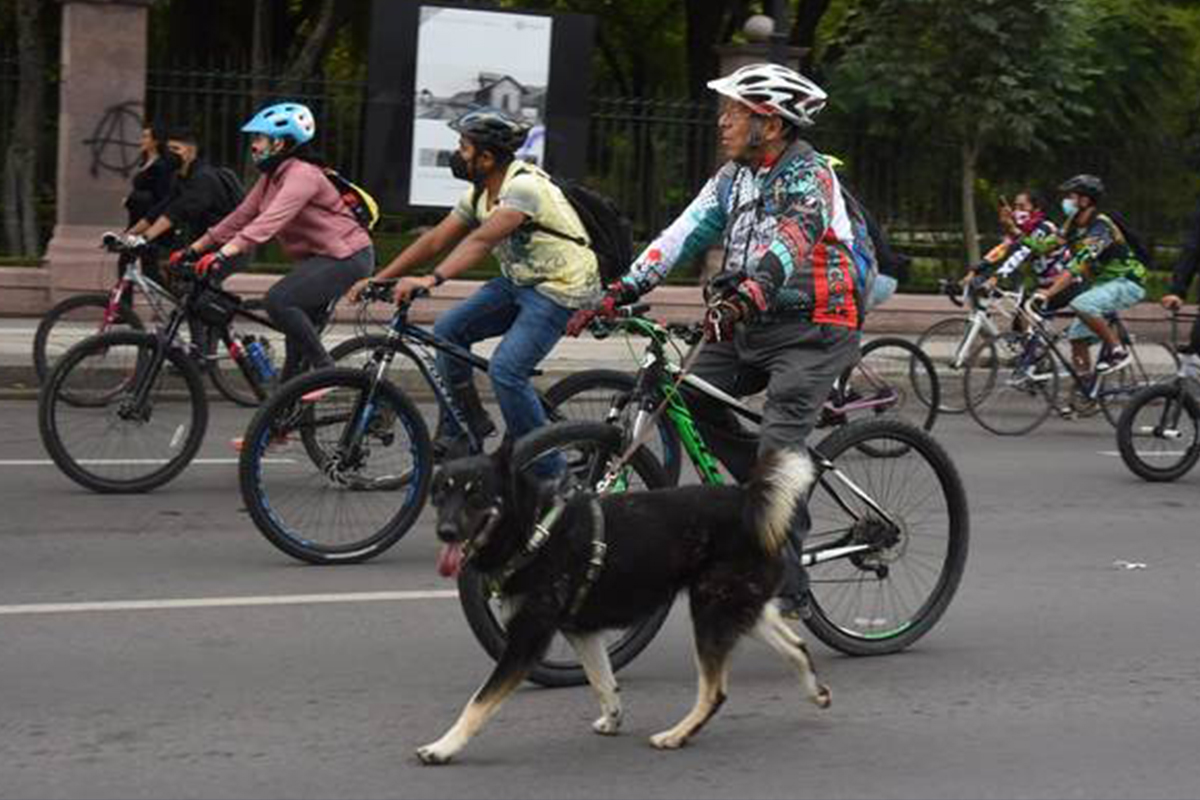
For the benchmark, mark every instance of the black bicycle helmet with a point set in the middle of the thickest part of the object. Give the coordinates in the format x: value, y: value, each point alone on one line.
x: 493, y: 129
x: 1087, y: 185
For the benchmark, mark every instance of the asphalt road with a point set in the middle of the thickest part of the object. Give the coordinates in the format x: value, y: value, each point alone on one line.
x: 1065, y: 667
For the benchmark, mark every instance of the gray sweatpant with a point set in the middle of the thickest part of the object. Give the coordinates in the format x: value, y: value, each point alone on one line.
x: 795, y: 361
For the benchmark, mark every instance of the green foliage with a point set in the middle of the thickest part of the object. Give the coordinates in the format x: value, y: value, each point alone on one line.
x: 972, y: 71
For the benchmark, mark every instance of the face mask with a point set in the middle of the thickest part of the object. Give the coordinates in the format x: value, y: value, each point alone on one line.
x: 1020, y: 217
x: 173, y: 161
x: 465, y: 170
x: 1069, y: 206
x: 459, y: 167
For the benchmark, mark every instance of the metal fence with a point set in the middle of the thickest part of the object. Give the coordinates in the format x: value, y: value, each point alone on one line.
x: 652, y: 155
x: 215, y: 103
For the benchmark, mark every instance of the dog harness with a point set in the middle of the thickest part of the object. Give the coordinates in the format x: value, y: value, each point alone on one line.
x: 544, y: 529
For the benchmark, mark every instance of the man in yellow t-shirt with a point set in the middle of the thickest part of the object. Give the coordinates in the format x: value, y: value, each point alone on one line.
x: 514, y: 210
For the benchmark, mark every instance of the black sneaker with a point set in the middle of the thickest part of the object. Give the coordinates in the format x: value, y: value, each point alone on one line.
x: 448, y: 448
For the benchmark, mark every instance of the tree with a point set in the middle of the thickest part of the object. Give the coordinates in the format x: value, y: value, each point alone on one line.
x: 21, y: 158
x: 979, y: 72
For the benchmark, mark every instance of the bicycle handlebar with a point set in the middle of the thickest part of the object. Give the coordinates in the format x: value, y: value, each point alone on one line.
x: 382, y: 292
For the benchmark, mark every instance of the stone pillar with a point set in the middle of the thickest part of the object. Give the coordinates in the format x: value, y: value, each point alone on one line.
x: 100, y: 120
x: 759, y: 30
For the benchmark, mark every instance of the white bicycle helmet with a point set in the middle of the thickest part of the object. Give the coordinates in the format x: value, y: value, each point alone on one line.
x: 773, y: 89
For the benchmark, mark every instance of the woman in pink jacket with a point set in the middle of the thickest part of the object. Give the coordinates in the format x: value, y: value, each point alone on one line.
x: 295, y: 203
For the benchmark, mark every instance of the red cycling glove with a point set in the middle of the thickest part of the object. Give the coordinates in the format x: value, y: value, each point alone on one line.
x: 616, y: 294
x: 209, y: 262
x: 178, y: 257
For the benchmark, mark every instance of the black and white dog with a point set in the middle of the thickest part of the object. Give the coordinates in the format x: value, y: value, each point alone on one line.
x: 723, y: 544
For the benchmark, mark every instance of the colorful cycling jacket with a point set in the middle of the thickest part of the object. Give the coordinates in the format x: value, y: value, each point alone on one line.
x: 1098, y: 253
x: 1038, y: 246
x: 785, y: 225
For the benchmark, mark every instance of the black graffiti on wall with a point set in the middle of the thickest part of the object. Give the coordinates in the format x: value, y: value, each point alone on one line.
x: 116, y: 140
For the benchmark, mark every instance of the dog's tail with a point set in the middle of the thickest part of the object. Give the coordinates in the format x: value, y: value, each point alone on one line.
x: 779, y: 484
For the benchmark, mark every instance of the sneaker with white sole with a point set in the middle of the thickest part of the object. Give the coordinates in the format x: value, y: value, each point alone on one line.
x: 1112, y: 360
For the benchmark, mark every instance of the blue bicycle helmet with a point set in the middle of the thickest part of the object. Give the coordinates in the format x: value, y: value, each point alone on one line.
x: 284, y: 119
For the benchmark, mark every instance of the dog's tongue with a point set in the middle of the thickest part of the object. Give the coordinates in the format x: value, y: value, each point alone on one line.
x: 449, y: 560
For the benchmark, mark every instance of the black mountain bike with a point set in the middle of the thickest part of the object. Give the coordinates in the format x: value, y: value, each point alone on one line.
x: 890, y: 520
x: 74, y: 319
x: 126, y: 411
x: 337, y: 464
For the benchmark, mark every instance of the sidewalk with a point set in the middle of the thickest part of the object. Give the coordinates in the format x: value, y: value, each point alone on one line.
x: 904, y: 315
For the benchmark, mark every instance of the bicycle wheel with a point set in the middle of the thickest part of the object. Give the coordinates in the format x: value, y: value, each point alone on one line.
x: 1008, y: 393
x: 945, y: 344
x: 72, y: 321
x: 601, y: 395
x: 588, y: 448
x: 883, y: 600
x: 1151, y: 363
x: 115, y: 421
x: 1158, y: 434
x: 320, y: 497
x: 889, y: 381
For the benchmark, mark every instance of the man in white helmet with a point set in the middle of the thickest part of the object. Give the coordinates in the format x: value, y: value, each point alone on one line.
x: 790, y: 310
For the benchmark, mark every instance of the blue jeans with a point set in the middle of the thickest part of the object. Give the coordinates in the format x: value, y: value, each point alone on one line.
x: 531, y: 324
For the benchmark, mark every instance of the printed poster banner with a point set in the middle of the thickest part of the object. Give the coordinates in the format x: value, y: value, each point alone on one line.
x: 469, y: 59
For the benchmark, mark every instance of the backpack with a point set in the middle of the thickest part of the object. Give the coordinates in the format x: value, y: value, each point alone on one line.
x: 1136, y: 245
x: 232, y: 184
x: 362, y: 205
x: 863, y: 251
x: 609, y: 232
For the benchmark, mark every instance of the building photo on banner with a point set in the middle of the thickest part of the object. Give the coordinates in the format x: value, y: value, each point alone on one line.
x: 508, y: 69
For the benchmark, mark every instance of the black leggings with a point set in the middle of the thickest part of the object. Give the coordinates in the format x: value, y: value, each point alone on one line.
x: 298, y: 301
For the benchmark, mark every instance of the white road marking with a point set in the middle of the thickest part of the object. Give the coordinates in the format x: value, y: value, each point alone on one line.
x: 1146, y: 453
x: 224, y: 602
x: 109, y: 462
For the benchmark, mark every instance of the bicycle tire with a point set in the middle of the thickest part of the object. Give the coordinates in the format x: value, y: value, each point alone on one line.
x: 940, y: 341
x: 276, y: 417
x: 1143, y: 371
x: 54, y: 394
x: 876, y: 634
x: 42, y: 362
x: 1135, y: 427
x: 994, y: 381
x: 918, y: 380
x: 475, y: 596
x: 610, y: 384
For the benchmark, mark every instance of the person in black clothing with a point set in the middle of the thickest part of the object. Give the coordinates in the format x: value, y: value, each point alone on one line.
x: 199, y: 199
x: 154, y: 176
x: 1187, y: 268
